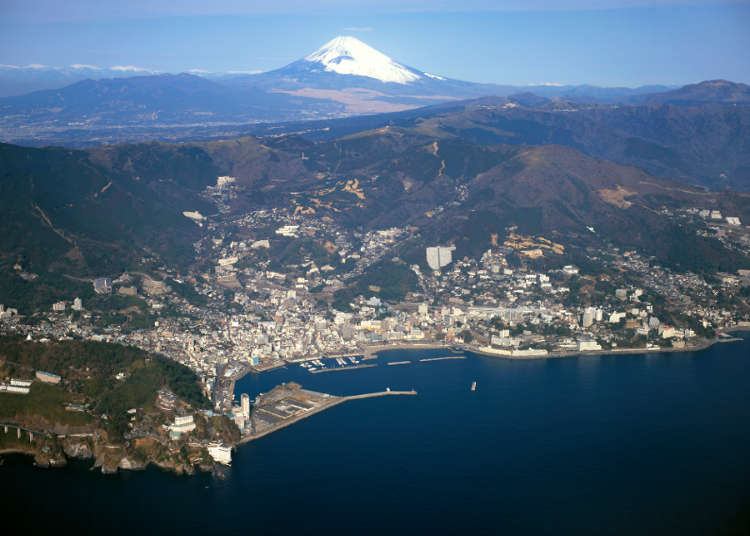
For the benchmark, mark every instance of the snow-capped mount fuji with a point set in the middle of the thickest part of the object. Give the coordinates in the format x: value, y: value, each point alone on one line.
x: 349, y: 55
x: 361, y: 78
x: 344, y: 77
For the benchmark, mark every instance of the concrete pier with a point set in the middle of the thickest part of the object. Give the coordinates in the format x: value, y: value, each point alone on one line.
x: 330, y: 401
x: 334, y: 369
x: 380, y: 393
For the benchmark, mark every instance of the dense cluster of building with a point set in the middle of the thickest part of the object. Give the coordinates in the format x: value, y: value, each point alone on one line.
x: 260, y: 306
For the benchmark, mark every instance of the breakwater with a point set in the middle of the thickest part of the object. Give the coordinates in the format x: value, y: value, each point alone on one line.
x: 334, y: 369
x: 329, y: 402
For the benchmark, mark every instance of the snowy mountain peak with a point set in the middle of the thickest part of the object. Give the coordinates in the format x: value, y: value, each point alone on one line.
x: 349, y: 55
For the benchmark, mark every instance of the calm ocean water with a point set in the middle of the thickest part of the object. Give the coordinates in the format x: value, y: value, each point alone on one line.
x: 655, y: 444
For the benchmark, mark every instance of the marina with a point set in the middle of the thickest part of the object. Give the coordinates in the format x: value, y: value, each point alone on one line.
x: 348, y: 362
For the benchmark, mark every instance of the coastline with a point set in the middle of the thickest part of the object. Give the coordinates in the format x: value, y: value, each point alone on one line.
x: 737, y: 329
x: 622, y: 351
x: 370, y: 352
x: 706, y: 343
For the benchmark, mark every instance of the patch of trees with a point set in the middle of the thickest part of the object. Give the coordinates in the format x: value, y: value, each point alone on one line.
x: 90, y: 368
x: 392, y: 281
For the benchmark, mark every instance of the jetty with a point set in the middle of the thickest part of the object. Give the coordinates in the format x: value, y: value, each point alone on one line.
x: 387, y: 392
x: 334, y: 369
x: 287, y: 404
x: 428, y: 359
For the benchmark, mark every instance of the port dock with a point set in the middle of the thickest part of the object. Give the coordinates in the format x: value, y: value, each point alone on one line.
x: 289, y: 403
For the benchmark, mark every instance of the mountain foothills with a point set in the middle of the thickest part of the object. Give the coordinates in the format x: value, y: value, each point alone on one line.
x: 69, y: 215
x: 64, y: 213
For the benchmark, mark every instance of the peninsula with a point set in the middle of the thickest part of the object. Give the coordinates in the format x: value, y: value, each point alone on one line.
x: 126, y: 409
x: 119, y: 406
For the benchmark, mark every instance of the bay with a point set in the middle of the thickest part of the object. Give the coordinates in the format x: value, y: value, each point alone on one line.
x: 653, y: 443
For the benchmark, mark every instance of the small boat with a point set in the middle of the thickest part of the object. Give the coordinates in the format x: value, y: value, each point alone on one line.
x: 474, y: 385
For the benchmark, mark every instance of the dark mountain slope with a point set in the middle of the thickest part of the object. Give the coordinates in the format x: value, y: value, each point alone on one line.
x: 706, y: 145
x: 463, y: 193
x: 69, y: 211
x: 87, y: 213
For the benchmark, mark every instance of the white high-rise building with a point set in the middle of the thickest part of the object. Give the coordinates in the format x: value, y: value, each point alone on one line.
x: 245, y: 401
x: 591, y: 315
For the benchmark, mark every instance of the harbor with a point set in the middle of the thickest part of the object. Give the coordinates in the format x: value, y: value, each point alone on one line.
x: 347, y: 362
x: 289, y: 403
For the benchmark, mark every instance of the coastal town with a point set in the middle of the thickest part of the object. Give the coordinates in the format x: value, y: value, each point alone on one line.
x: 277, y: 288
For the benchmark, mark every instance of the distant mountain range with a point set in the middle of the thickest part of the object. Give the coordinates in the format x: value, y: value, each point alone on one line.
x: 706, y: 145
x: 342, y: 78
x: 709, y: 92
x: 342, y: 63
x: 163, y: 99
x: 698, y: 133
x: 21, y: 79
x: 346, y: 63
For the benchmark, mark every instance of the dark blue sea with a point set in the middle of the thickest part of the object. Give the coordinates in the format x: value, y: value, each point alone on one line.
x: 645, y: 444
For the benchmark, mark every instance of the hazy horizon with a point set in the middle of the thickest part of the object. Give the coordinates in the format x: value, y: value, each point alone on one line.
x: 657, y: 42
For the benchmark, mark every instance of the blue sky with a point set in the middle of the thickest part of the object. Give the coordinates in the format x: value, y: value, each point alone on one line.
x: 603, y: 42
